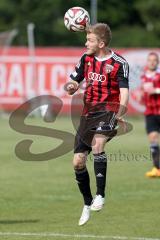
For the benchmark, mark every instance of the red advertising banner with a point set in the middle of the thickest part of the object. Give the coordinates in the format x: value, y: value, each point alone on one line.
x: 23, y: 76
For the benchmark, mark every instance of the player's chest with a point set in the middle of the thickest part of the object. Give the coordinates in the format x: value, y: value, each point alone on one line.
x: 101, y: 71
x: 154, y: 80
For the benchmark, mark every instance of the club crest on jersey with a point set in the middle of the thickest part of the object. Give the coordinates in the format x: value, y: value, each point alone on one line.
x: 108, y: 68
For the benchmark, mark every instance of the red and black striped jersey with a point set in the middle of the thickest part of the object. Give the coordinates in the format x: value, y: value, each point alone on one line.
x: 151, y: 101
x: 104, y: 78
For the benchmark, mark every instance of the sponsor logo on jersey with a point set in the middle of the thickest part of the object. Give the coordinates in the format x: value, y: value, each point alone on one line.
x: 96, y: 77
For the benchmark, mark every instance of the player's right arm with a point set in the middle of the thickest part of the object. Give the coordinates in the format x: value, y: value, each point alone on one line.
x: 76, y: 77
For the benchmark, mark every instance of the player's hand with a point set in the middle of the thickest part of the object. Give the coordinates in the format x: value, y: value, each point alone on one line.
x: 71, y: 87
x: 120, y: 119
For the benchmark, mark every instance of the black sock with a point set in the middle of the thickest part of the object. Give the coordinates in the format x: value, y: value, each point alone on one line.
x: 155, y: 152
x: 100, y: 169
x: 83, y: 181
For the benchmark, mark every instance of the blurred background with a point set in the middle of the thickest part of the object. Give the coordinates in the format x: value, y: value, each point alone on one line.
x: 134, y: 23
x: 38, y: 53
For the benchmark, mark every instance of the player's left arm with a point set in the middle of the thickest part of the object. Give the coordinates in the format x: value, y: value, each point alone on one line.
x: 123, y: 80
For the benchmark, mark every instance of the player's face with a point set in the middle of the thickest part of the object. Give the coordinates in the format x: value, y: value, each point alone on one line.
x: 92, y: 44
x: 152, y: 62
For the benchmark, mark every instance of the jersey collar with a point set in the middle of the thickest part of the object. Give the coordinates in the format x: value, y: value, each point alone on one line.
x: 104, y: 58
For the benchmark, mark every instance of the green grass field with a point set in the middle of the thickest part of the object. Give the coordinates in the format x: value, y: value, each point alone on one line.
x: 42, y: 198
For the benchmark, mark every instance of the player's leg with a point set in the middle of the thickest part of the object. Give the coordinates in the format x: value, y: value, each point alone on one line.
x: 100, y: 169
x: 82, y: 176
x: 154, y: 147
x: 155, y: 154
x: 104, y: 132
x: 83, y: 181
x: 152, y: 127
x: 81, y: 150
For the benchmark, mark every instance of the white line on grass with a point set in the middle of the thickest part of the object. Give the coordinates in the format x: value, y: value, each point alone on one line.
x: 61, y: 235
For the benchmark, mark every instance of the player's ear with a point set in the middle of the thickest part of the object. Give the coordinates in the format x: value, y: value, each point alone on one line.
x: 101, y: 44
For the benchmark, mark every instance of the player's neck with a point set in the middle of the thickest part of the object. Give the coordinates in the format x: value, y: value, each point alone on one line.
x: 103, y: 53
x: 151, y: 71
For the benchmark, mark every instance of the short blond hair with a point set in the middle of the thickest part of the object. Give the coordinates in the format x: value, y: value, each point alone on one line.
x: 102, y: 31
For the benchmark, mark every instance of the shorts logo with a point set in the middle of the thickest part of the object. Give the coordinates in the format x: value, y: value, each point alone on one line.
x: 96, y: 77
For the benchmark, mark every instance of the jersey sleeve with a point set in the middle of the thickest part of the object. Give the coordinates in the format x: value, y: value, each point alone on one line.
x: 78, y: 74
x: 123, y: 75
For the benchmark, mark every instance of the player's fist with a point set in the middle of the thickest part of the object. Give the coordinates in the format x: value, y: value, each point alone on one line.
x: 71, y: 87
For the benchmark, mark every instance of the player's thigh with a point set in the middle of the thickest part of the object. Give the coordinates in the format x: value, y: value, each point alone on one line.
x: 98, y: 143
x: 152, y: 124
x: 153, y: 127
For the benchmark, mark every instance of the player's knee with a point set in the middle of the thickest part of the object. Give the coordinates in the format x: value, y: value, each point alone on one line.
x: 153, y: 137
x: 79, y: 161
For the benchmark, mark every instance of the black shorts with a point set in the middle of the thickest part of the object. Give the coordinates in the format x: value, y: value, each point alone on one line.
x: 152, y: 123
x: 89, y: 126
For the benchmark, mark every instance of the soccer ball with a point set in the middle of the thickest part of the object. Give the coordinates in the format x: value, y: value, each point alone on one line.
x: 76, y: 19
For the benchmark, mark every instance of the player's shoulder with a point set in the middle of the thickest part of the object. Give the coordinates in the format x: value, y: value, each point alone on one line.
x: 144, y: 72
x: 86, y: 57
x: 83, y: 56
x: 143, y: 77
x: 82, y: 60
x: 118, y: 58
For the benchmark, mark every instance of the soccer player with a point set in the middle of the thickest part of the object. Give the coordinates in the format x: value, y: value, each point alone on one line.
x: 151, y: 98
x: 106, y: 76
